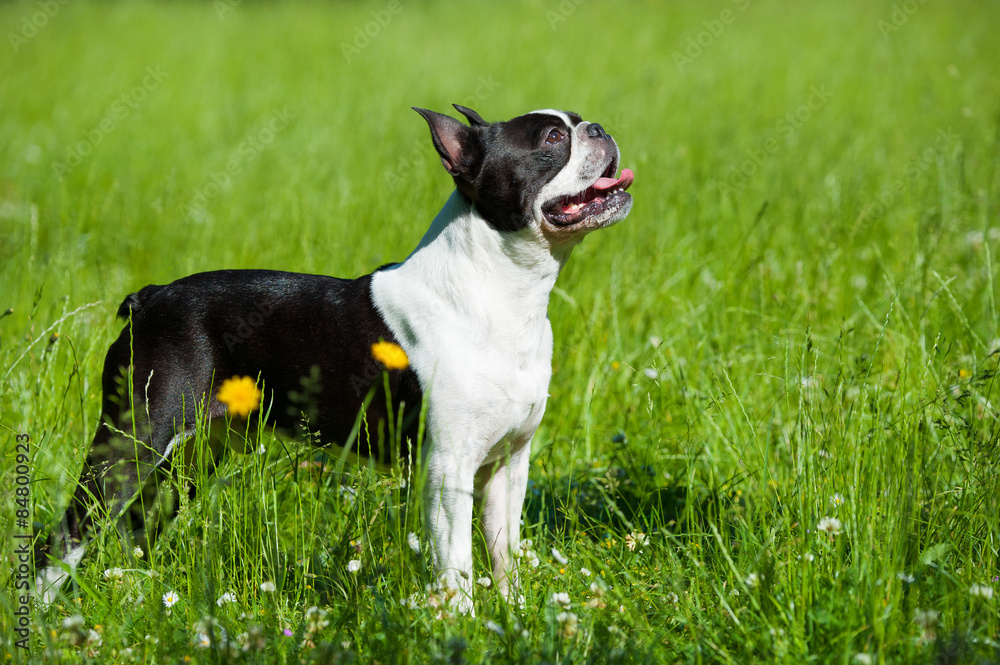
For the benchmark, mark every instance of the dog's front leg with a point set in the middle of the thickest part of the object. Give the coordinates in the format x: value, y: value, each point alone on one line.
x: 448, y: 519
x: 502, y: 485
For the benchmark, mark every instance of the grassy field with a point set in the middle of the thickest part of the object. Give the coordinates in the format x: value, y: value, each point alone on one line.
x: 773, y: 427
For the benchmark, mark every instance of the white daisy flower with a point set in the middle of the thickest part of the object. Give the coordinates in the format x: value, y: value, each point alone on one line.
x: 170, y: 598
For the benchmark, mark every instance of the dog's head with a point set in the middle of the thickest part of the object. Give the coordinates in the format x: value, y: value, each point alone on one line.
x: 550, y: 170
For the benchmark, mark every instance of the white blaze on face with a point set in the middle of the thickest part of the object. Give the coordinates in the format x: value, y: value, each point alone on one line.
x: 584, y: 167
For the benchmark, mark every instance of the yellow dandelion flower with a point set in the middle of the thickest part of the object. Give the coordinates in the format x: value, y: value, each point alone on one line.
x: 240, y: 395
x: 392, y: 356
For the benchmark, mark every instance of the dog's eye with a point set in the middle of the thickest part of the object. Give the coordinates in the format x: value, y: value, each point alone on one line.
x: 555, y: 136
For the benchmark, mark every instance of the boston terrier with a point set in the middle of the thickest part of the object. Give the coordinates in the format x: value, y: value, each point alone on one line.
x: 468, y: 307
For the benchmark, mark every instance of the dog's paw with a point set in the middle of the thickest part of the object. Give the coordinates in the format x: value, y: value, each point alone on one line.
x: 47, y: 584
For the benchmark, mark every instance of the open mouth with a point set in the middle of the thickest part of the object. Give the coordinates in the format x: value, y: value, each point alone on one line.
x: 596, y: 199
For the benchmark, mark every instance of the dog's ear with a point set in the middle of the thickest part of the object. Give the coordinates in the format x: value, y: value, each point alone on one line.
x: 459, y: 146
x: 474, y: 118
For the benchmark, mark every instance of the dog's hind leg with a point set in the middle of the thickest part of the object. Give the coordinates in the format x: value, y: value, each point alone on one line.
x: 128, y: 446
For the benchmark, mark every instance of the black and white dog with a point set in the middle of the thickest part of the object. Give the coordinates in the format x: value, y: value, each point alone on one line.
x: 468, y: 307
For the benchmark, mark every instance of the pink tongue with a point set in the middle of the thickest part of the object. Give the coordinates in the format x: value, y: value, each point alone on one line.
x: 624, y: 181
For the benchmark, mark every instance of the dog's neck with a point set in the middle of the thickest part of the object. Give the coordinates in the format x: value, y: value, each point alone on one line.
x: 462, y: 259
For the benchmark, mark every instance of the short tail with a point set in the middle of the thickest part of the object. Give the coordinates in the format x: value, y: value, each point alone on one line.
x: 135, y: 301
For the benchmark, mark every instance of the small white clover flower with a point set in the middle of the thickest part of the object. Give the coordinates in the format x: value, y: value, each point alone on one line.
x: 752, y: 580
x: 315, y: 619
x: 906, y: 577
x: 568, y: 623
x: 560, y: 599
x: 527, y: 554
x: 170, y: 598
x: 73, y: 623
x: 228, y: 597
x: 982, y: 591
x: 559, y: 557
x: 414, y: 542
x: 484, y: 582
x: 636, y: 539
x: 267, y: 587
x: 974, y: 238
x: 926, y: 618
x: 137, y: 552
x: 494, y: 627
x: 585, y: 572
x: 863, y: 659
x: 353, y: 566
x: 830, y: 525
x: 114, y: 574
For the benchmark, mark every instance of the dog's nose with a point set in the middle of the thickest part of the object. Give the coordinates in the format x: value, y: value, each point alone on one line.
x: 595, y: 131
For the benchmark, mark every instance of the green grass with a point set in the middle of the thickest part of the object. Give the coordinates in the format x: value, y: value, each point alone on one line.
x: 746, y: 355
